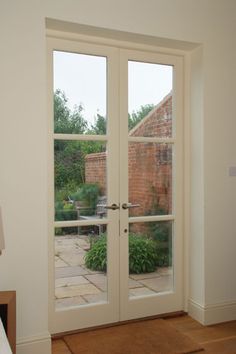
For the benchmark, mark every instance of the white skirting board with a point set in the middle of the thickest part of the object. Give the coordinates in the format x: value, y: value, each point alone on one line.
x: 213, y: 313
x: 40, y: 344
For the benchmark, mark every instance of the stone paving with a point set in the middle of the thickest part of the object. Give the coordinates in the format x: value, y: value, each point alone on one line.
x: 76, y: 285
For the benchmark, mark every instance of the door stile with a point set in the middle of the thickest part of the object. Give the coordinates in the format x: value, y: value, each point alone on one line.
x: 123, y: 175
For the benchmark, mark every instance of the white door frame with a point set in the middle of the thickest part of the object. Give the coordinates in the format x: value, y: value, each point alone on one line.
x: 118, y: 306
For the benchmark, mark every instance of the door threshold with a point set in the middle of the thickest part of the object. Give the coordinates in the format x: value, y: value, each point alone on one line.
x: 163, y: 316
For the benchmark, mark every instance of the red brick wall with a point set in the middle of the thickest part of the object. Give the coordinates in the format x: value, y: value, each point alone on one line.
x: 158, y: 122
x: 150, y: 178
x: 95, y: 170
x: 150, y: 164
x: 150, y: 170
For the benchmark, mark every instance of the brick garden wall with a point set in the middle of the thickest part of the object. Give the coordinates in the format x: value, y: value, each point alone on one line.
x: 150, y: 164
x: 150, y: 168
x: 95, y: 170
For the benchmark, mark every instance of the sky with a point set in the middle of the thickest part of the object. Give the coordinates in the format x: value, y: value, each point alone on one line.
x: 83, y: 79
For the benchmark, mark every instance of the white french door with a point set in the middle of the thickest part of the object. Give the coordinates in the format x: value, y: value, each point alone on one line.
x: 117, y: 188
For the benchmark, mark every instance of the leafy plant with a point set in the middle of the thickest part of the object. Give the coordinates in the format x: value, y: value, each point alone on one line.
x: 88, y: 195
x: 65, y: 211
x: 142, y: 254
x: 96, y: 257
x: 160, y: 232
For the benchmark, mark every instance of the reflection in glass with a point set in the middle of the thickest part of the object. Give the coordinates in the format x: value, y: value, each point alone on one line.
x: 150, y: 178
x: 150, y: 258
x: 79, y: 93
x: 79, y: 278
x: 150, y: 99
x: 80, y: 179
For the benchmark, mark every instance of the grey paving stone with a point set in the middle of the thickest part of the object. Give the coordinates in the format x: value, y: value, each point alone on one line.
x: 60, y: 263
x: 102, y: 297
x: 163, y: 283
x: 134, y: 284
x: 69, y: 272
x: 141, y: 292
x: 100, y: 280
x: 70, y: 302
x: 68, y: 281
x: 144, y: 275
x: 73, y: 258
x: 82, y: 243
x: 165, y: 270
x: 71, y: 291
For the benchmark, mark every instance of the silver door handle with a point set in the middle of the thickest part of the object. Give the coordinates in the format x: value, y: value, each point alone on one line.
x: 112, y: 207
x: 129, y: 205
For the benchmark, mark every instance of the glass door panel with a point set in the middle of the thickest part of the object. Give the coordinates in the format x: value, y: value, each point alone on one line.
x: 80, y: 179
x: 80, y: 278
x: 80, y: 93
x: 150, y: 99
x: 150, y: 258
x: 150, y: 178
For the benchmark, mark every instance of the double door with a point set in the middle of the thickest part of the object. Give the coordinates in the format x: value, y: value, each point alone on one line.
x: 115, y: 184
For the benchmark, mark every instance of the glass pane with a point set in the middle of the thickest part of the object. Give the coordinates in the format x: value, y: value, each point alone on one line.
x: 150, y: 258
x: 150, y: 179
x: 80, y: 180
x: 80, y: 275
x: 79, y: 93
x: 150, y: 99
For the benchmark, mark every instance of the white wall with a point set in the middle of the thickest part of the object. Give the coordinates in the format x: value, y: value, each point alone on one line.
x: 23, y: 143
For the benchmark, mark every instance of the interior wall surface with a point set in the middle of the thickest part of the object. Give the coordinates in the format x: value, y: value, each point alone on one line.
x: 24, y: 134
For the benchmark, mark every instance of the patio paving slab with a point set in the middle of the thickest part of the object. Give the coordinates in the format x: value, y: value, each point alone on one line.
x: 68, y: 281
x: 73, y: 257
x: 101, y: 297
x: 144, y: 275
x: 70, y: 301
x: 165, y: 270
x: 141, y: 292
x: 163, y: 283
x: 60, y: 263
x: 69, y: 272
x: 134, y: 284
x: 99, y: 280
x: 82, y: 243
x: 71, y: 291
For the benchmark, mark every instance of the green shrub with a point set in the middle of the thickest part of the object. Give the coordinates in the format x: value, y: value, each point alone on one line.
x: 63, y: 212
x: 142, y: 254
x: 88, y: 195
x: 96, y: 257
x: 161, y: 233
